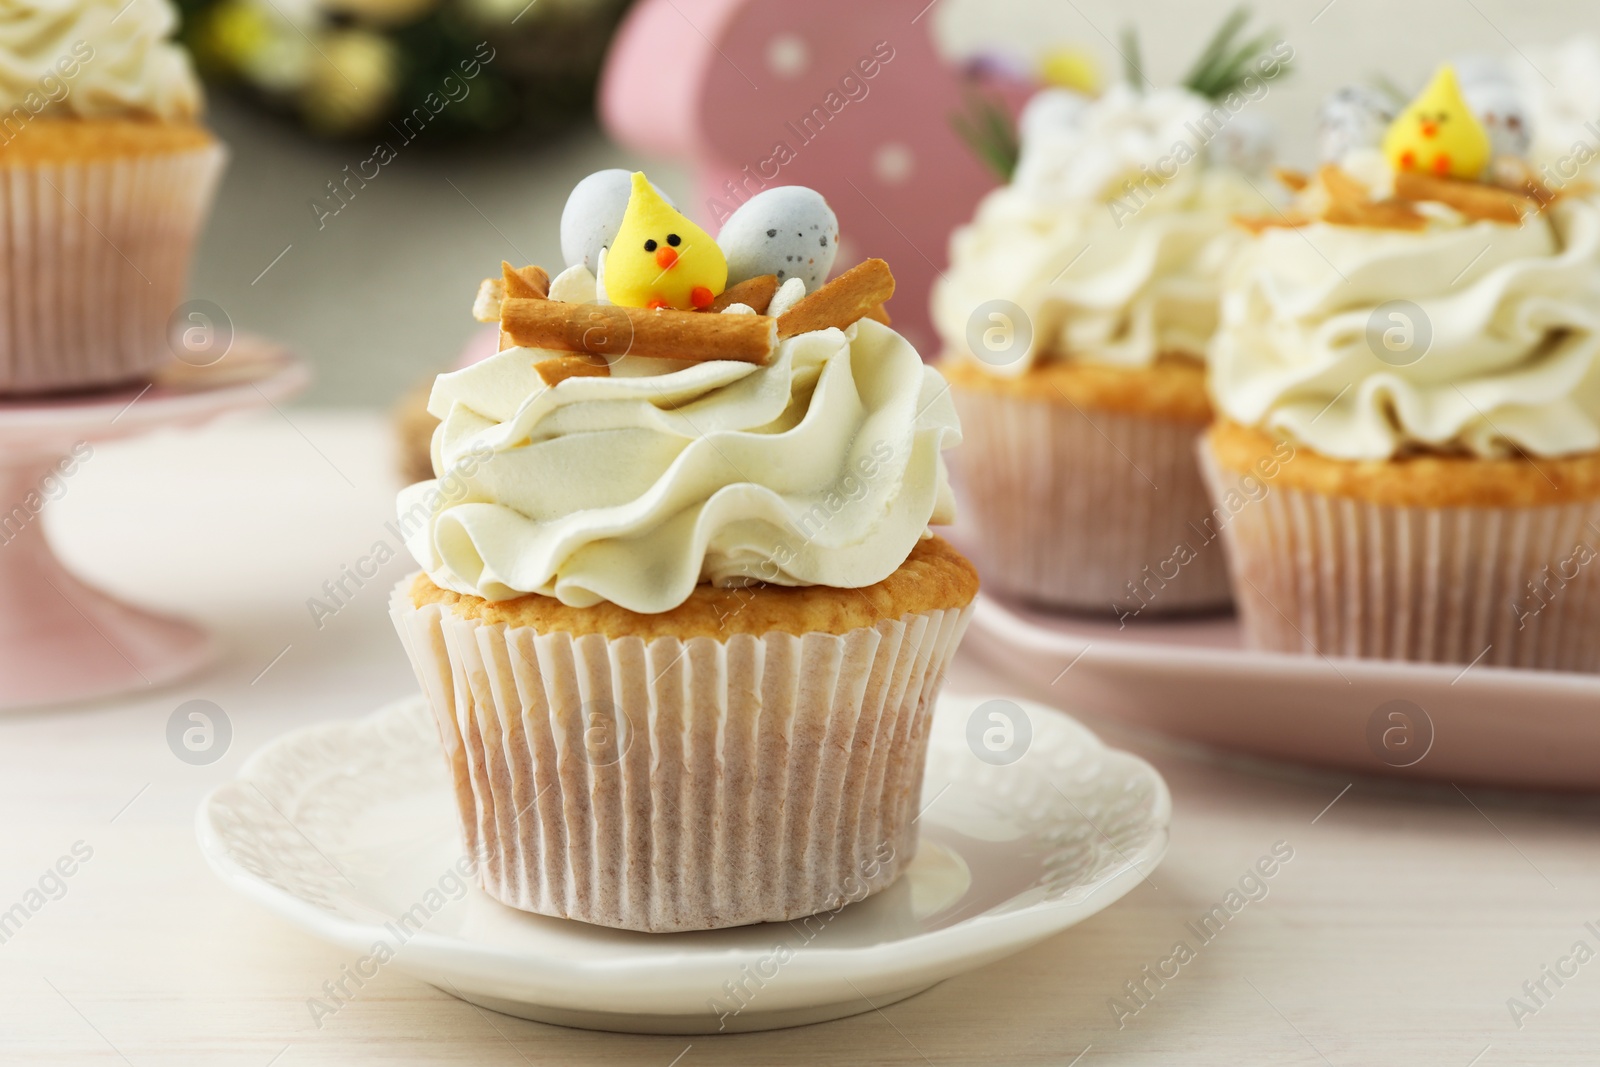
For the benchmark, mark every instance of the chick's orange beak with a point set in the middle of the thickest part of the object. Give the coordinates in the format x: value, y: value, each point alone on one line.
x: 1430, y: 129
x: 666, y: 257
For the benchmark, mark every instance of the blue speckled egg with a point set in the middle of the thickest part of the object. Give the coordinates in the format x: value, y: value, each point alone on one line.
x: 594, y: 211
x: 789, y: 231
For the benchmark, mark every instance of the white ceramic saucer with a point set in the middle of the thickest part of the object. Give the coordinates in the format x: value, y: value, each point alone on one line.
x: 348, y: 827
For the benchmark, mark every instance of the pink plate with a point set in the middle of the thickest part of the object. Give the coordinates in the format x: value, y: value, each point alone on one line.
x: 1192, y: 679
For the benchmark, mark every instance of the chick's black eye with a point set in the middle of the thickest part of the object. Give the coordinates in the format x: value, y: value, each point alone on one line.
x: 649, y: 246
x: 674, y: 240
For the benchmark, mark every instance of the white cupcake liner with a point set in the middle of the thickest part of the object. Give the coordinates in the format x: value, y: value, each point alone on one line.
x: 670, y: 785
x: 93, y: 261
x: 1338, y: 576
x: 1085, y: 509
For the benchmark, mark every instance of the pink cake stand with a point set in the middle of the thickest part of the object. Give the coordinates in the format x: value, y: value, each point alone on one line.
x: 60, y: 639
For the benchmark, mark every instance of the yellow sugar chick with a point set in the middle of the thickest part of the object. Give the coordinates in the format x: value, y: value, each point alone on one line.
x: 1437, y: 133
x: 659, y: 259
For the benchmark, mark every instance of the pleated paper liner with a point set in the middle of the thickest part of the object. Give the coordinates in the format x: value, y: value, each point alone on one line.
x: 1089, y: 510
x: 93, y: 261
x: 683, y: 785
x: 1338, y: 576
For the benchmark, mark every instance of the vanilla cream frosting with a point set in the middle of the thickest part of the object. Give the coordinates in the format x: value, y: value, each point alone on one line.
x: 1497, y: 348
x: 95, y: 59
x: 822, y: 468
x: 1111, y: 239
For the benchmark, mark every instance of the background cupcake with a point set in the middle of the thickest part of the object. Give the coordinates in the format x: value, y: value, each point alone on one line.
x: 107, y: 177
x: 1408, y: 374
x: 682, y: 622
x: 1076, y: 315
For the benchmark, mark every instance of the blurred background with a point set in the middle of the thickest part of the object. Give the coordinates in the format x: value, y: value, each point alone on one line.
x: 377, y: 295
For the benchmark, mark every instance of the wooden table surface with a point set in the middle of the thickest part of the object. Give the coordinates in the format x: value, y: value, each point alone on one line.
x: 1402, y: 930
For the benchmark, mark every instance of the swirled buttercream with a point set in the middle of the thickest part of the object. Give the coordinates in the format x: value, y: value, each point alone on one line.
x: 1480, y: 337
x: 822, y: 468
x: 1112, y: 238
x: 95, y: 59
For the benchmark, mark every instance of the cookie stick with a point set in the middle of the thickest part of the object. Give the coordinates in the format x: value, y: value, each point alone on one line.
x: 611, y: 331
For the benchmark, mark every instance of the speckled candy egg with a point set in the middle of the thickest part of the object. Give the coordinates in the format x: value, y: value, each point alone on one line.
x: 1500, y: 108
x: 1247, y: 143
x: 789, y: 231
x: 1052, y: 113
x: 1352, y: 118
x: 594, y: 211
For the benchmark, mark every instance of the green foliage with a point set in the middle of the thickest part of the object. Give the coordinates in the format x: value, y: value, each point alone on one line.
x: 987, y: 128
x: 1223, y: 66
x: 1227, y: 61
x: 1133, y: 59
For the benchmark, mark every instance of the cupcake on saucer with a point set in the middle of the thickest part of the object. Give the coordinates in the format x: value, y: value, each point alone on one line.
x: 1076, y: 316
x: 1407, y: 377
x: 108, y: 175
x: 681, y: 618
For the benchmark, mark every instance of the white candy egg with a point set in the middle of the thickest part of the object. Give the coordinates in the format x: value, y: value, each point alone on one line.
x: 789, y: 231
x: 1051, y: 112
x: 1248, y: 142
x: 1499, y: 106
x: 594, y: 211
x: 1352, y: 118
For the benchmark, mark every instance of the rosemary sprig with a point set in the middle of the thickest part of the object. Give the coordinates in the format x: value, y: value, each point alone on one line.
x: 1388, y: 87
x: 987, y: 128
x: 1133, y: 59
x: 1221, y: 38
x: 1223, y: 66
x: 1226, y: 62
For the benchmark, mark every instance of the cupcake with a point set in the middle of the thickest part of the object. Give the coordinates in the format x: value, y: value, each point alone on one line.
x: 1076, y: 316
x: 107, y: 176
x: 680, y: 617
x: 1407, y: 376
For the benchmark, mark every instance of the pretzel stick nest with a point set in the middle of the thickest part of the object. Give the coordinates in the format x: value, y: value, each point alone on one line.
x: 856, y: 294
x: 754, y: 293
x: 528, y: 281
x: 600, y: 333
x: 1293, y: 180
x: 1261, y: 223
x: 611, y: 331
x: 1350, y: 204
x: 1473, y: 199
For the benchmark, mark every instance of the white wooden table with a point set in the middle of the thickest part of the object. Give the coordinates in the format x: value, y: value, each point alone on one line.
x: 1396, y: 935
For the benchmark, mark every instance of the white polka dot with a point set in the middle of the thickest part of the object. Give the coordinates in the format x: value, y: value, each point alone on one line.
x: 893, y: 163
x: 787, y: 55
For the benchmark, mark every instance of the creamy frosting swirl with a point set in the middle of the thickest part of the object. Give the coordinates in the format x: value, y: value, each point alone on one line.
x: 822, y: 468
x: 1112, y: 238
x: 1497, y: 349
x: 95, y: 59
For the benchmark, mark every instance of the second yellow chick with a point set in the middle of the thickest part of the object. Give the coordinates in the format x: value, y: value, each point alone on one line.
x: 1438, y: 133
